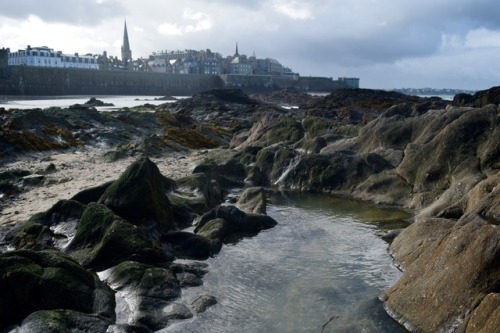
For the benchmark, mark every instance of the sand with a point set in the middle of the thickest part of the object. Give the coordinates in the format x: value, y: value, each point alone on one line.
x: 76, y: 171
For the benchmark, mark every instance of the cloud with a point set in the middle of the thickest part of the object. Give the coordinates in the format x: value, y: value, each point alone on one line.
x: 80, y: 12
x: 202, y: 22
x: 293, y: 9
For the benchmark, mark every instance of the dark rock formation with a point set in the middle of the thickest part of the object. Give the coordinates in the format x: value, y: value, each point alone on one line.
x: 238, y: 222
x: 103, y: 239
x: 139, y: 196
x: 203, y: 302
x: 479, y: 99
x: 363, y: 105
x: 49, y: 280
x: 93, y: 102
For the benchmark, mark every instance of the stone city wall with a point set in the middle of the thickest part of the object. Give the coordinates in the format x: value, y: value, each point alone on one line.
x: 50, y: 82
x: 39, y: 81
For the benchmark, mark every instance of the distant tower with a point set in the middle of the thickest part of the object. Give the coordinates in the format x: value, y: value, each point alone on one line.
x: 126, y: 52
x: 236, y: 54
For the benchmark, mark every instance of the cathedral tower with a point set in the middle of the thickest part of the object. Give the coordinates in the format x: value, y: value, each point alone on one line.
x: 126, y: 52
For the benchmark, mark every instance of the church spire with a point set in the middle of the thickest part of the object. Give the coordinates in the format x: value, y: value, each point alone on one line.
x: 126, y: 52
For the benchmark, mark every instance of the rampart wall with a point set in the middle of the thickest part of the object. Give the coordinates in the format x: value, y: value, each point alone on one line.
x: 39, y: 81
x: 51, y: 82
x: 258, y: 83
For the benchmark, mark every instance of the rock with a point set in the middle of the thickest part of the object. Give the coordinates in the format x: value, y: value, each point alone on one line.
x: 201, y: 183
x: 187, y: 245
x: 187, y: 279
x: 440, y: 288
x: 48, y: 280
x: 103, y: 239
x: 203, y: 302
x: 55, y: 321
x: 149, y: 293
x: 416, y: 238
x: 479, y: 99
x: 341, y: 170
x: 139, y: 197
x: 49, y: 229
x: 96, y: 102
x: 238, y: 221
x: 216, y: 231
x: 252, y: 200
x: 51, y: 168
x: 9, y: 181
x: 486, y: 317
x: 91, y: 194
x: 273, y: 128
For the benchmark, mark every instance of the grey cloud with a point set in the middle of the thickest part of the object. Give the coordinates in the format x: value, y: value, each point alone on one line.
x: 79, y: 12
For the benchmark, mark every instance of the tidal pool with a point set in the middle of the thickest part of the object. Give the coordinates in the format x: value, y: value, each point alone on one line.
x: 320, y: 270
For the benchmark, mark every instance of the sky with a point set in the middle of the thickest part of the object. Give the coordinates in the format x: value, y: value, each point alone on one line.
x: 386, y: 43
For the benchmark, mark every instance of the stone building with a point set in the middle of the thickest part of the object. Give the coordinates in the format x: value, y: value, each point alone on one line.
x: 44, y: 56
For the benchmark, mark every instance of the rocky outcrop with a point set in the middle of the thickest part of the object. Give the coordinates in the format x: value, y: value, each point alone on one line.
x: 129, y: 228
x: 479, y: 99
x: 447, y: 275
x: 363, y: 105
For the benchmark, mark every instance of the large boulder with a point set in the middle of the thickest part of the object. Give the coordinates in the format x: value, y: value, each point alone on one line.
x: 48, y: 280
x: 238, y: 222
x: 446, y: 278
x: 104, y: 239
x: 138, y: 196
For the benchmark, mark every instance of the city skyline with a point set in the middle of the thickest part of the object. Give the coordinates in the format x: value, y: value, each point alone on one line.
x: 454, y: 44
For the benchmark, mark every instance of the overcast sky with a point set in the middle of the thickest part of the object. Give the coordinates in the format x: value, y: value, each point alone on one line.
x: 386, y: 43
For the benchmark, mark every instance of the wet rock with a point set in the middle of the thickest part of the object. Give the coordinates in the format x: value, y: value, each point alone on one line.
x: 94, y: 102
x: 442, y: 286
x: 49, y: 229
x: 216, y: 231
x: 55, y: 321
x: 47, y: 280
x: 238, y: 221
x: 202, y: 303
x: 188, y: 245
x: 187, y: 279
x: 252, y: 200
x: 139, y: 197
x: 9, y: 179
x: 149, y: 292
x: 103, y: 239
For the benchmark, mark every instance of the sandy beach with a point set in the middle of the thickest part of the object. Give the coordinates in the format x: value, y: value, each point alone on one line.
x: 76, y: 171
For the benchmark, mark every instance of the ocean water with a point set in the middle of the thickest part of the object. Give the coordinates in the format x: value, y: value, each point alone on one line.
x: 320, y: 270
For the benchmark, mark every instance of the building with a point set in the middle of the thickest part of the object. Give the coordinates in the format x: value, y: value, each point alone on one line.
x: 46, y: 57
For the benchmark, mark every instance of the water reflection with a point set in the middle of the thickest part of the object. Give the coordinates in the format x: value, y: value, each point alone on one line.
x: 320, y: 270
